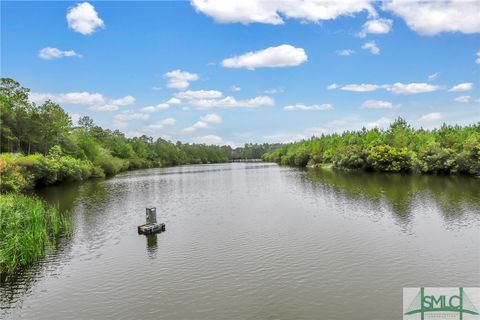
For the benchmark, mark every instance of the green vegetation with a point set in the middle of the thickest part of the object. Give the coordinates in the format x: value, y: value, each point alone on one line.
x: 447, y: 150
x: 253, y: 150
x: 27, y: 227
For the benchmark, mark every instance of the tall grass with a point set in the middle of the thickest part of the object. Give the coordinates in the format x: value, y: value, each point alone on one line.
x: 28, y: 226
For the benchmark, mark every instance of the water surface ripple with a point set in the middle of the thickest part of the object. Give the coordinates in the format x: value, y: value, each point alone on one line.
x: 252, y: 241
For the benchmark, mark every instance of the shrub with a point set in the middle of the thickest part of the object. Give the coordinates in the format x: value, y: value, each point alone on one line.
x: 432, y: 158
x: 388, y: 158
x: 301, y: 158
x: 351, y: 157
x: 110, y: 165
x: 14, y: 177
x: 19, y: 173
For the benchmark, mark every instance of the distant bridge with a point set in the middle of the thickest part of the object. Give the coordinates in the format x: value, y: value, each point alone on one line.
x: 246, y: 160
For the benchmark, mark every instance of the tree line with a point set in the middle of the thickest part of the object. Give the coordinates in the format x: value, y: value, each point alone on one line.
x: 400, y: 148
x: 253, y: 150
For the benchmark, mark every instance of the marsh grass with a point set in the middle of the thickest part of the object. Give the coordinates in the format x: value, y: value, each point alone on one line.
x: 28, y: 227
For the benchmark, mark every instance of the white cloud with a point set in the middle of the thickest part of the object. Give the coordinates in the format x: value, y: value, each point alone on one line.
x: 398, y: 87
x: 412, y: 88
x: 364, y: 87
x: 206, y: 99
x: 208, y: 139
x: 168, y: 122
x: 122, y: 119
x: 274, y: 12
x: 161, y: 124
x: 189, y: 129
x: 204, y: 122
x: 231, y: 102
x: 235, y: 88
x: 378, y: 104
x: 84, y: 19
x: 154, y: 127
x: 345, y: 52
x: 75, y: 117
x: 178, y: 79
x: 332, y: 86
x: 125, y: 101
x: 200, y: 125
x: 383, y: 122
x: 372, y: 46
x: 212, y: 118
x: 431, y: 117
x: 199, y: 94
x: 84, y: 98
x: 433, y: 76
x: 94, y: 101
x: 464, y: 99
x: 376, y: 26
x: 466, y: 86
x: 158, y: 107
x: 284, y: 55
x: 128, y: 115
x: 50, y: 53
x: 477, y: 61
x: 174, y: 101
x: 433, y: 17
x: 301, y: 106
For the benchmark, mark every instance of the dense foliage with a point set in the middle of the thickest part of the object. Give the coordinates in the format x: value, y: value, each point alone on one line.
x: 253, y: 150
x: 27, y: 227
x: 449, y: 149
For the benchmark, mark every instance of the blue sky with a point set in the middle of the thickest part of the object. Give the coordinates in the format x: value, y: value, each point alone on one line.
x: 248, y: 71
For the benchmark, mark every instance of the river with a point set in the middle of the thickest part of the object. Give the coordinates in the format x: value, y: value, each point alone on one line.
x: 252, y: 241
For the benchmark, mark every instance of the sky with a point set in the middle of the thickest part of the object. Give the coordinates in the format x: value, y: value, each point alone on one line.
x: 232, y: 72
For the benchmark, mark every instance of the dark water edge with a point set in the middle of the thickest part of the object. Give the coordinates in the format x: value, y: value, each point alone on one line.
x: 454, y: 195
x: 251, y: 241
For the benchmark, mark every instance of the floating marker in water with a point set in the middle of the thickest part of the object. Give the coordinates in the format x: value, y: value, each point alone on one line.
x: 151, y: 225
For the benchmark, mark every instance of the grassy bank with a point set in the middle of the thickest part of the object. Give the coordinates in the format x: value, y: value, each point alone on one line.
x: 400, y: 148
x: 28, y: 227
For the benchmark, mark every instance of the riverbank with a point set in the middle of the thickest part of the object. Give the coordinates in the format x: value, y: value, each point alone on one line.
x: 28, y: 227
x: 447, y: 150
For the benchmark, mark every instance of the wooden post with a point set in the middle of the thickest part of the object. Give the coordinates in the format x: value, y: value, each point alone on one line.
x: 151, y: 215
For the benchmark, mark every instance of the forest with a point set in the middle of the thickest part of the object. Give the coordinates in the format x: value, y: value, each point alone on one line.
x: 400, y: 148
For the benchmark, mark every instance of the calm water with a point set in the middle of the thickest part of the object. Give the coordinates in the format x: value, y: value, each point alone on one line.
x: 252, y: 241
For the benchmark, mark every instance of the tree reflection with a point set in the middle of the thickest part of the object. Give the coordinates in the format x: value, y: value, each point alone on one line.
x: 454, y: 196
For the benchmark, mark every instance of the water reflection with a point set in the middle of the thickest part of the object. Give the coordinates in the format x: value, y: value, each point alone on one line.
x: 252, y: 241
x: 14, y: 287
x: 70, y: 199
x: 453, y: 196
x: 152, y: 245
